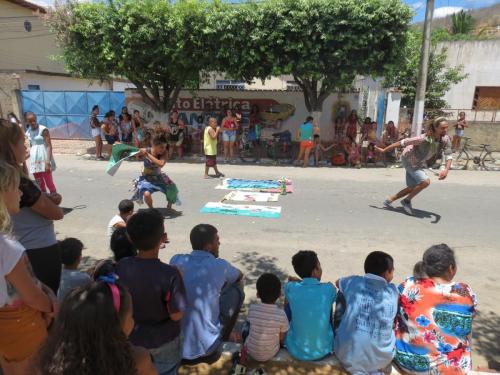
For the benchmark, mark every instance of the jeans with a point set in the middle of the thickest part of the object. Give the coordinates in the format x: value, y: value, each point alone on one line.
x: 167, y: 357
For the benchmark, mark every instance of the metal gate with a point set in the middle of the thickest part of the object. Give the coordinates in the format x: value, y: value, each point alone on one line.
x: 66, y: 113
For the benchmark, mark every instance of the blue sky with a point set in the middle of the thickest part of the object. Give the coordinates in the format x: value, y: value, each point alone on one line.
x: 444, y: 7
x: 441, y: 7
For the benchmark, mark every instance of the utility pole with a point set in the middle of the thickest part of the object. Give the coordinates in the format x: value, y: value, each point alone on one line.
x: 418, y: 111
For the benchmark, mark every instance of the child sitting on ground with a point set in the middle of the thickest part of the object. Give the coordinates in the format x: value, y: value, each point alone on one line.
x: 125, y: 209
x: 157, y: 290
x: 364, y: 317
x: 268, y: 323
x: 354, y: 156
x: 71, y: 278
x: 309, y: 309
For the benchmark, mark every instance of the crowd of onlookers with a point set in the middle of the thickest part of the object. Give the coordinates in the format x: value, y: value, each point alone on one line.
x: 137, y: 314
x: 353, y: 142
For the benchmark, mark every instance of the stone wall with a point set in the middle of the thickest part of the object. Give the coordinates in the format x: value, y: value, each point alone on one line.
x: 483, y: 132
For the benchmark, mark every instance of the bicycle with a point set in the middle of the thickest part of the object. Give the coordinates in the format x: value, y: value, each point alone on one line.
x: 487, y: 159
x: 279, y: 148
x: 249, y: 148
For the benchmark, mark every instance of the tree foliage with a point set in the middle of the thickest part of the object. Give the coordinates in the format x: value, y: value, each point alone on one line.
x: 462, y: 23
x: 440, y: 78
x: 324, y: 44
x: 162, y: 46
x: 158, y: 46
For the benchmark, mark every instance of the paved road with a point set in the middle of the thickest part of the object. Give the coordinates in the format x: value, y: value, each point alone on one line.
x: 336, y: 212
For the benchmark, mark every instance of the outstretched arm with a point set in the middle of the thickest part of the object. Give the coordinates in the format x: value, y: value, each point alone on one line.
x: 388, y: 148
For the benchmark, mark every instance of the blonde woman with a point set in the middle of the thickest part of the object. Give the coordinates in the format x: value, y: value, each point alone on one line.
x: 26, y: 307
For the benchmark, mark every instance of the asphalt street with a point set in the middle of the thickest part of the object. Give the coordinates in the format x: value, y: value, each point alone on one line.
x: 336, y: 212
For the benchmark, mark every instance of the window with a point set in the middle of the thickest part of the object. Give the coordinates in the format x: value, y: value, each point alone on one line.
x: 292, y: 86
x: 33, y: 87
x: 228, y: 84
x: 486, y: 98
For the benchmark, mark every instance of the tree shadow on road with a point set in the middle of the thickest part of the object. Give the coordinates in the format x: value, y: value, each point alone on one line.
x: 486, y: 338
x: 255, y: 264
x: 421, y: 214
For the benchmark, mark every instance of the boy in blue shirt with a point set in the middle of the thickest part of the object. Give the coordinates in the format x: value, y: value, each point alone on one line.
x: 364, y: 317
x: 309, y: 303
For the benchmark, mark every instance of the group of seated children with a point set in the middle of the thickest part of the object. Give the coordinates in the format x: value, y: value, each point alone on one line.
x: 163, y: 315
x: 422, y: 326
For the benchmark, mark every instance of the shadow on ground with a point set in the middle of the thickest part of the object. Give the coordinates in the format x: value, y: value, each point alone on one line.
x: 421, y: 214
x: 254, y: 264
x: 166, y: 213
x: 486, y: 338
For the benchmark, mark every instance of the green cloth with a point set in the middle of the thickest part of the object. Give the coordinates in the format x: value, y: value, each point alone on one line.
x: 119, y: 153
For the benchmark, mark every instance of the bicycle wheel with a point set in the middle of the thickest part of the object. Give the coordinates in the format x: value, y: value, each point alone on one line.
x: 491, y: 161
x: 462, y: 161
x: 248, y: 154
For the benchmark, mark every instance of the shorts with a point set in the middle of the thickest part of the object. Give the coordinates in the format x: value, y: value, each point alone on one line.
x: 229, y: 136
x: 23, y: 331
x: 111, y: 139
x: 304, y: 145
x: 414, y: 176
x: 95, y: 132
x: 459, y: 132
x: 210, y: 160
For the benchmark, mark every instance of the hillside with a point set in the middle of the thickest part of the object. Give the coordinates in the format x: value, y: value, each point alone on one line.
x: 487, y: 21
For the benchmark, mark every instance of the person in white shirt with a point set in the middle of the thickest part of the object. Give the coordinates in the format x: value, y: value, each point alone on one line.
x: 126, y: 209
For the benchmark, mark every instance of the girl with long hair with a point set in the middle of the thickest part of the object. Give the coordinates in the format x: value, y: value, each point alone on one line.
x: 90, y: 334
x: 25, y: 305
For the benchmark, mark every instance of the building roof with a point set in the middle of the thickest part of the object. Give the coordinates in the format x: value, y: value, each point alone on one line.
x: 30, y: 5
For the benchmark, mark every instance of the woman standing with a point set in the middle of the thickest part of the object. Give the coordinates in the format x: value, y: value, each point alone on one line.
x: 33, y: 225
x: 25, y: 306
x: 352, y: 126
x: 138, y: 129
x: 229, y: 129
x: 41, y: 159
x: 95, y: 130
x: 434, y: 321
x: 126, y: 128
x: 110, y: 130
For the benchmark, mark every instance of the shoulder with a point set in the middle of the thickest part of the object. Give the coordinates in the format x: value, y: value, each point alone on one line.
x: 329, y: 288
x: 180, y: 259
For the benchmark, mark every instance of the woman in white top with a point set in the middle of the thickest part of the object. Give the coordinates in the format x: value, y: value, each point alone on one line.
x: 42, y: 162
x: 26, y: 307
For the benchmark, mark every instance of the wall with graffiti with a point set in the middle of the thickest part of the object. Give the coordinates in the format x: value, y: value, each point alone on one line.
x: 278, y: 110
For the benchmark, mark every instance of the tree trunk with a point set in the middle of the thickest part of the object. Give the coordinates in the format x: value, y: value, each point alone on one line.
x: 313, y: 98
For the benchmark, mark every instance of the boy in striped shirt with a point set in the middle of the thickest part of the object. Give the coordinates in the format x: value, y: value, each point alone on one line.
x: 268, y: 323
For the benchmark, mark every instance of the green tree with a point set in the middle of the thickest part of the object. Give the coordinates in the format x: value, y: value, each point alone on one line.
x: 324, y: 44
x: 159, y: 46
x: 462, y: 23
x: 440, y: 78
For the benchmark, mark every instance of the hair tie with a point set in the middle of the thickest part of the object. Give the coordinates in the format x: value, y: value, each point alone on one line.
x: 110, y: 281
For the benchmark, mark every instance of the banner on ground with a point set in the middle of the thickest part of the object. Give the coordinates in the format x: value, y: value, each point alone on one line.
x: 241, y: 210
x: 251, y: 196
x: 270, y: 186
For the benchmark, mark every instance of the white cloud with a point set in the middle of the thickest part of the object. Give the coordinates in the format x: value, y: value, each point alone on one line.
x: 417, y: 5
x: 446, y: 11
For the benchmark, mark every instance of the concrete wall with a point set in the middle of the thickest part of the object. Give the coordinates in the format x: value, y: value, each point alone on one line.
x: 20, y: 49
x: 480, y: 59
x: 54, y: 82
x: 187, y: 105
x: 272, y: 83
x: 484, y: 132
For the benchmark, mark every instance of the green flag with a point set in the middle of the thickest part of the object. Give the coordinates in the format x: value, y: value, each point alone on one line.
x: 119, y: 153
